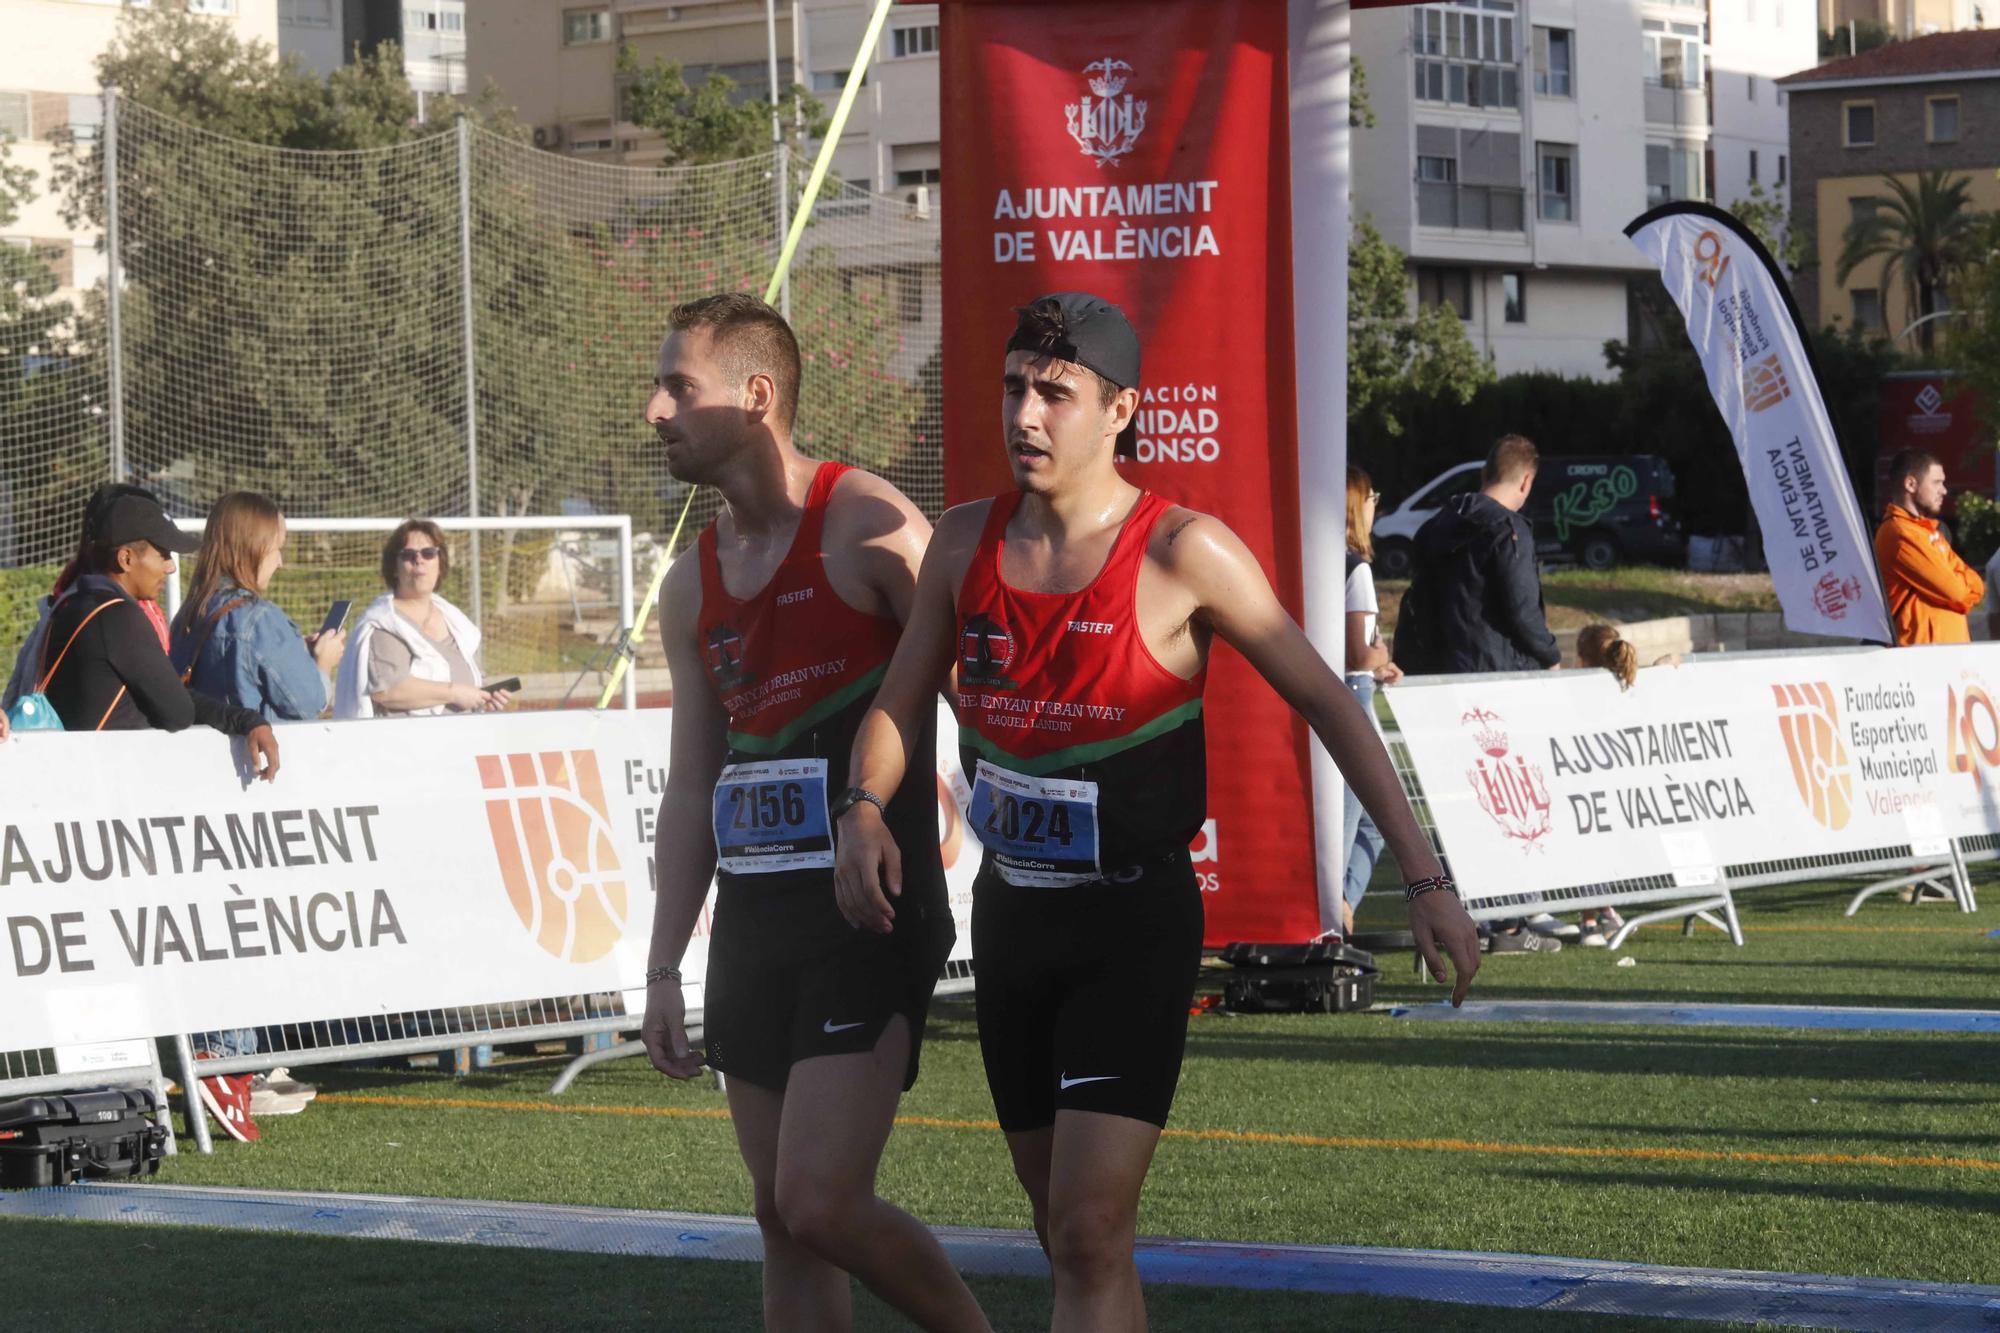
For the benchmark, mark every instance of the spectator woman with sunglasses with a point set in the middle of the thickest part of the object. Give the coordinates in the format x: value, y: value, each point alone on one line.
x: 412, y: 653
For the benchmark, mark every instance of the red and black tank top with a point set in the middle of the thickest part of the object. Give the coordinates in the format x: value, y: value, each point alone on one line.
x: 1086, y: 755
x: 796, y: 668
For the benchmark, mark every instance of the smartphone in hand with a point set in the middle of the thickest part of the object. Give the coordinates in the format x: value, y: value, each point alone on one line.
x: 512, y: 685
x: 336, y: 616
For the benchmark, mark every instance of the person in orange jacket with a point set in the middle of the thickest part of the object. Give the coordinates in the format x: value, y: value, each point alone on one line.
x: 1930, y: 589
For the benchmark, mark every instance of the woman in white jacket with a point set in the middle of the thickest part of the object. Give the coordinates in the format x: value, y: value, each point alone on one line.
x: 412, y: 653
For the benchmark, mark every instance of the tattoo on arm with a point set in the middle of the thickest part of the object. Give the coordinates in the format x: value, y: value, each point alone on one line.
x: 1179, y: 528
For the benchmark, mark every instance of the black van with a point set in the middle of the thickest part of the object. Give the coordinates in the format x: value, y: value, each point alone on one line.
x: 1597, y: 510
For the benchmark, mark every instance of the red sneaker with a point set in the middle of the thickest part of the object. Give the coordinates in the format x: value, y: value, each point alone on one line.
x: 227, y: 1097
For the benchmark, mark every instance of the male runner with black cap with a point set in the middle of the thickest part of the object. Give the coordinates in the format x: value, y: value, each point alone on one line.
x: 778, y: 629
x: 1079, y: 612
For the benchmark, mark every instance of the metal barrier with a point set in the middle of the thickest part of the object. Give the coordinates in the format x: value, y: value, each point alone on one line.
x: 1901, y: 866
x: 386, y: 1036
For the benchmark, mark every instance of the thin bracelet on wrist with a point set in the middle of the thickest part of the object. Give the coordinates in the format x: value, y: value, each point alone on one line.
x: 1436, y: 883
x: 654, y: 974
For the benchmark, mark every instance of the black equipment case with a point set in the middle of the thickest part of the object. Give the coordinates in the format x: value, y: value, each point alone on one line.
x: 1324, y: 977
x: 110, y: 1133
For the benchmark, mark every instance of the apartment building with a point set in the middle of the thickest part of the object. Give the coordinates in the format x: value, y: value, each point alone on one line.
x: 1910, y: 18
x: 1925, y: 104
x: 558, y: 68
x: 326, y: 34
x: 1515, y: 139
x: 48, y: 88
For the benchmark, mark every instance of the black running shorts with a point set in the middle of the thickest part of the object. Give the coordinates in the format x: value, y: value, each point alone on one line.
x: 789, y: 979
x: 1083, y: 992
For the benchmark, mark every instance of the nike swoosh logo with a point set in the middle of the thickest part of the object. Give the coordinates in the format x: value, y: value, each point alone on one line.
x: 831, y: 1027
x: 1068, y: 1082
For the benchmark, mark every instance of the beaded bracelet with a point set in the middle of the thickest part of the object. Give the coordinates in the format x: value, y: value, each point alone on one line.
x: 1416, y: 890
x: 654, y: 974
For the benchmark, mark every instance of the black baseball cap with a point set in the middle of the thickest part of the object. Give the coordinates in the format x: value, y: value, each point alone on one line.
x: 136, y: 518
x: 1093, y: 334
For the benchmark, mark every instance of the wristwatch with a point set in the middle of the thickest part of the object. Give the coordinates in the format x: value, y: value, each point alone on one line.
x: 852, y: 797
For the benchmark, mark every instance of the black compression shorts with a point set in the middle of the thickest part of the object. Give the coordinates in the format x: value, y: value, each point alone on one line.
x: 789, y: 979
x: 1083, y: 993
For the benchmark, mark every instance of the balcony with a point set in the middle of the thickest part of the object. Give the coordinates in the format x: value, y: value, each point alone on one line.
x: 1672, y: 102
x: 1471, y: 207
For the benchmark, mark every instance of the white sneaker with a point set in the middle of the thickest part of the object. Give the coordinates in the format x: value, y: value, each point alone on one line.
x: 267, y: 1101
x: 278, y: 1093
x: 1548, y: 926
x: 1593, y: 939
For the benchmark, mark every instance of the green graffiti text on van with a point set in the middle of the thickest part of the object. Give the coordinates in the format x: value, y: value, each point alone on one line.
x: 1587, y: 501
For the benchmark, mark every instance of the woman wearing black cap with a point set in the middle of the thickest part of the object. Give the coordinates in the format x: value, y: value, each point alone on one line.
x: 104, y: 665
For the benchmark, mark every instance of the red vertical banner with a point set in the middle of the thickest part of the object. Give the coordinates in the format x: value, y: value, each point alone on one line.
x: 1139, y: 150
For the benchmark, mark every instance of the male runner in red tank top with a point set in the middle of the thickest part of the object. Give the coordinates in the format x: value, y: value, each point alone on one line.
x: 1079, y: 613
x: 777, y: 634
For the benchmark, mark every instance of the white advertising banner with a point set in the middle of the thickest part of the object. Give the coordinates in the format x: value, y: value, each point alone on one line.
x: 1741, y: 322
x: 147, y: 887
x: 1562, y: 779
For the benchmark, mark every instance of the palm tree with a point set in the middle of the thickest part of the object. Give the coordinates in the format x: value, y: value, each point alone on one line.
x: 1923, y: 235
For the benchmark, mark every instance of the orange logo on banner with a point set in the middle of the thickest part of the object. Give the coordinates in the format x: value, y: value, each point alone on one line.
x: 1810, y: 724
x: 552, y: 832
x: 1765, y: 385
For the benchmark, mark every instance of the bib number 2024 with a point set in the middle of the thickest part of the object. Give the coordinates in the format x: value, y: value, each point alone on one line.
x: 1043, y: 831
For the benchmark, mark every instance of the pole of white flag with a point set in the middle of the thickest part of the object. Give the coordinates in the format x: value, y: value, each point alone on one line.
x: 1321, y: 59
x: 629, y: 649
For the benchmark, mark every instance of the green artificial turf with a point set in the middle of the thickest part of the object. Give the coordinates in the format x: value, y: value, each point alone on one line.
x: 177, y: 1278
x: 625, y: 1137
x: 1865, y: 1153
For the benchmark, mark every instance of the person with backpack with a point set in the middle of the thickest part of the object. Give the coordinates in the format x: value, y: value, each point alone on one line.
x: 28, y: 660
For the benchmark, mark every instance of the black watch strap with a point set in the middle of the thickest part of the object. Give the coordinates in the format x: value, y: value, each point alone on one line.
x: 854, y: 796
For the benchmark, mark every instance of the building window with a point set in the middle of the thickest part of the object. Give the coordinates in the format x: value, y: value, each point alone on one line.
x: 1555, y: 62
x: 1858, y: 119
x: 1943, y: 119
x: 585, y: 27
x: 306, y: 13
x: 1861, y: 212
x: 914, y: 164
x: 1867, y: 307
x: 1513, y: 291
x: 1465, y: 54
x: 211, y: 6
x: 1445, y: 287
x: 833, y: 80
x: 906, y: 42
x: 86, y: 116
x: 14, y: 114
x: 1752, y: 80
x: 1673, y: 54
x: 1470, y: 179
x: 1753, y: 166
x: 599, y: 142
x: 1673, y: 171
x: 420, y: 20
x: 1558, y: 181
x: 1783, y: 166
x: 453, y: 20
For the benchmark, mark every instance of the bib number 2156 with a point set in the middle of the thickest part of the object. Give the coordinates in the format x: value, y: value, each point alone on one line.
x: 1043, y: 831
x: 771, y: 815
